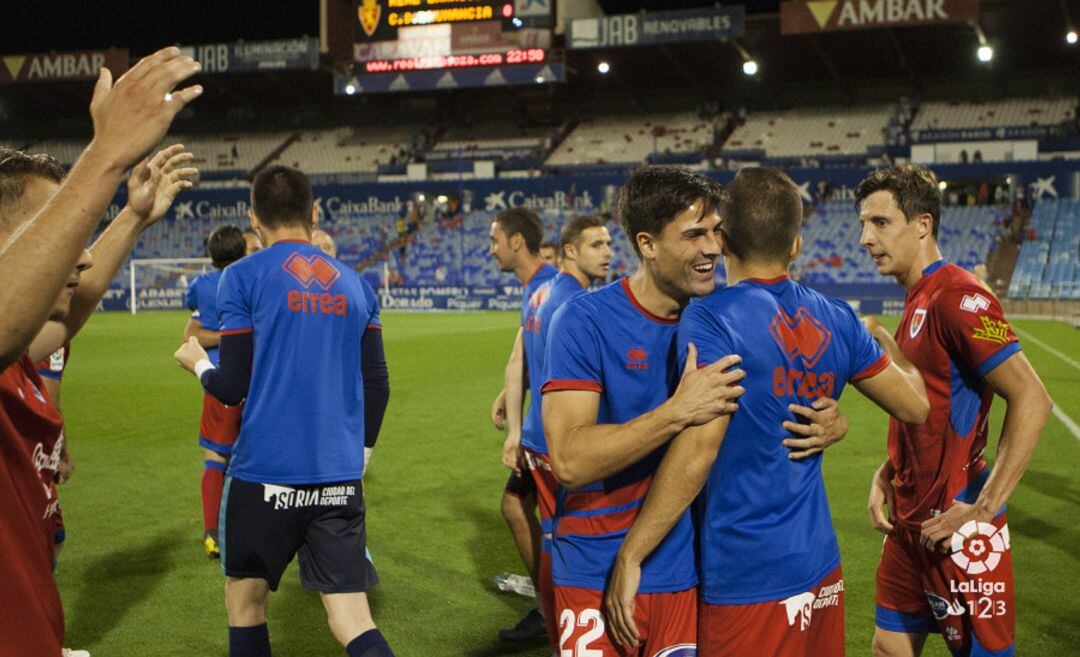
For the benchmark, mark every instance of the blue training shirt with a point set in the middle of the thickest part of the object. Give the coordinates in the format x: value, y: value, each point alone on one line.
x: 201, y: 300
x: 560, y: 289
x: 606, y: 342
x: 304, y: 415
x: 534, y: 294
x: 764, y: 528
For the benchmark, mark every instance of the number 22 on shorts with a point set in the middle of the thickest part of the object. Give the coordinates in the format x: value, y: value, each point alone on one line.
x: 587, y: 618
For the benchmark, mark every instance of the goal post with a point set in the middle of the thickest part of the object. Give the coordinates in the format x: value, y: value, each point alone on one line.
x: 162, y: 283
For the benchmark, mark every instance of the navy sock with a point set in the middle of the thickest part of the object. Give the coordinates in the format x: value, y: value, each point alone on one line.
x: 249, y: 641
x: 369, y: 644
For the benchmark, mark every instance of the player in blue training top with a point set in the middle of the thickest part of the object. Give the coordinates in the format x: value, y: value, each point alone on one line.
x: 219, y: 425
x: 609, y: 410
x: 301, y: 345
x: 771, y: 584
x: 585, y: 247
x: 516, y: 235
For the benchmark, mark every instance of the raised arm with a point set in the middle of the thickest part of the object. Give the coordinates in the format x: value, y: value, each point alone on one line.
x: 898, y: 389
x: 36, y: 259
x: 583, y: 451
x: 680, y: 477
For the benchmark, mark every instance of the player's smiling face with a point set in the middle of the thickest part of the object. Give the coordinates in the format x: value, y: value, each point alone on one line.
x: 891, y: 240
x: 592, y: 252
x: 686, y: 252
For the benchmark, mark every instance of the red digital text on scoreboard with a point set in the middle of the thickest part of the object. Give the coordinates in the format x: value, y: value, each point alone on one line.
x: 528, y: 56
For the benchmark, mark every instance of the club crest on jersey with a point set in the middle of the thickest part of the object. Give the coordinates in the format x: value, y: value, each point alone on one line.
x: 313, y: 269
x: 637, y: 359
x: 800, y: 336
x: 918, y: 320
x: 974, y: 303
x: 369, y: 12
x: 681, y: 650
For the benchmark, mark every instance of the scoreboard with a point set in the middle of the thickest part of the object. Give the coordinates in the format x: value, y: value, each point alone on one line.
x: 379, y: 20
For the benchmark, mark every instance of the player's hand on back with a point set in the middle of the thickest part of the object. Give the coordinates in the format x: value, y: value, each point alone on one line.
x: 825, y: 426
x: 155, y: 182
x: 190, y: 353
x: 882, y: 501
x: 707, y: 393
x: 133, y: 115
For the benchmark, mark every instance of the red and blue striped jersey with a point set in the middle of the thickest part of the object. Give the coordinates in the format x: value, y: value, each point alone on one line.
x: 606, y: 342
x: 955, y: 332
x: 764, y: 530
x: 304, y: 415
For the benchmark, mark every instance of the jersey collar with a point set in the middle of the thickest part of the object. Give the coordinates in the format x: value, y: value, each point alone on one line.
x: 538, y: 269
x: 934, y: 267
x: 926, y: 274
x: 642, y: 309
x: 767, y: 281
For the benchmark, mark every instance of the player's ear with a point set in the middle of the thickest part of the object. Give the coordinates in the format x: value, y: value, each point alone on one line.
x: 253, y: 221
x: 314, y: 217
x: 646, y: 244
x: 925, y: 225
x: 796, y: 247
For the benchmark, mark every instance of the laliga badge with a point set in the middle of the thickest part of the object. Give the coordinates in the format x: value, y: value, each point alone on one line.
x: 918, y: 320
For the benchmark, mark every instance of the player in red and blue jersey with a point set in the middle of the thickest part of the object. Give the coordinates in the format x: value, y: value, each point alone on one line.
x: 613, y: 398
x: 946, y: 565
x: 219, y: 425
x: 771, y: 583
x: 301, y: 345
x: 586, y: 256
x: 516, y: 236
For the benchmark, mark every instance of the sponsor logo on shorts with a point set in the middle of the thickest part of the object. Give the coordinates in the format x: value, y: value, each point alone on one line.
x: 977, y: 546
x: 801, y: 607
x: 681, y: 650
x: 285, y: 497
x: 918, y: 320
x: 974, y: 303
x: 943, y: 608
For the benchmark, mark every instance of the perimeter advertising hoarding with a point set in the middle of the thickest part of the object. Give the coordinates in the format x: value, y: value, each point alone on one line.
x: 81, y: 65
x: 243, y: 57
x: 648, y: 28
x: 803, y: 16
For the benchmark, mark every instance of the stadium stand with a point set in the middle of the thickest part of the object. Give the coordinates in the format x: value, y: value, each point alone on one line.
x: 634, y: 138
x: 512, y: 146
x: 1049, y: 264
x: 1014, y: 112
x: 818, y: 132
x: 342, y: 150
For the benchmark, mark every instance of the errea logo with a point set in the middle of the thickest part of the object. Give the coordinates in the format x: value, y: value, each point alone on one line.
x: 637, y: 359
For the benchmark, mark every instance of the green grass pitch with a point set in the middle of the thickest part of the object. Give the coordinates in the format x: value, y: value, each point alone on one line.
x: 135, y: 581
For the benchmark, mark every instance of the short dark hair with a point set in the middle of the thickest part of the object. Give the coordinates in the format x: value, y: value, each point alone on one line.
x: 761, y: 215
x: 577, y: 225
x: 549, y: 244
x: 281, y: 196
x: 225, y: 245
x: 524, y: 222
x: 16, y: 167
x: 654, y: 195
x: 914, y: 188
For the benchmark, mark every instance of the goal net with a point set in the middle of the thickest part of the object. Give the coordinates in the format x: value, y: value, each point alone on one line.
x: 162, y: 283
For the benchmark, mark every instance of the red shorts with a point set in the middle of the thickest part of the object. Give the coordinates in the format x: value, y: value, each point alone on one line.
x: 809, y: 624
x: 967, y: 596
x: 666, y: 621
x: 546, y: 486
x: 219, y: 425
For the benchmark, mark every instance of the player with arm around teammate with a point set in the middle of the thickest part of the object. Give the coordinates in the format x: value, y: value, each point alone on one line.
x: 300, y: 335
x: 219, y: 425
x: 946, y: 566
x: 771, y: 583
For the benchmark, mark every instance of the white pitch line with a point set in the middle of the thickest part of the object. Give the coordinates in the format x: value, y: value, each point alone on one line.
x: 1069, y: 423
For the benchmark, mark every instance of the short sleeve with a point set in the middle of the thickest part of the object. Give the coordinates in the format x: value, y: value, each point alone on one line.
x: 234, y: 305
x: 373, y: 322
x: 868, y: 359
x: 191, y: 298
x: 573, y: 352
x: 700, y: 326
x: 972, y: 326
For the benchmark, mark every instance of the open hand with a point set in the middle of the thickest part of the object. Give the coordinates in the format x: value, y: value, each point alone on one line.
x: 827, y: 426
